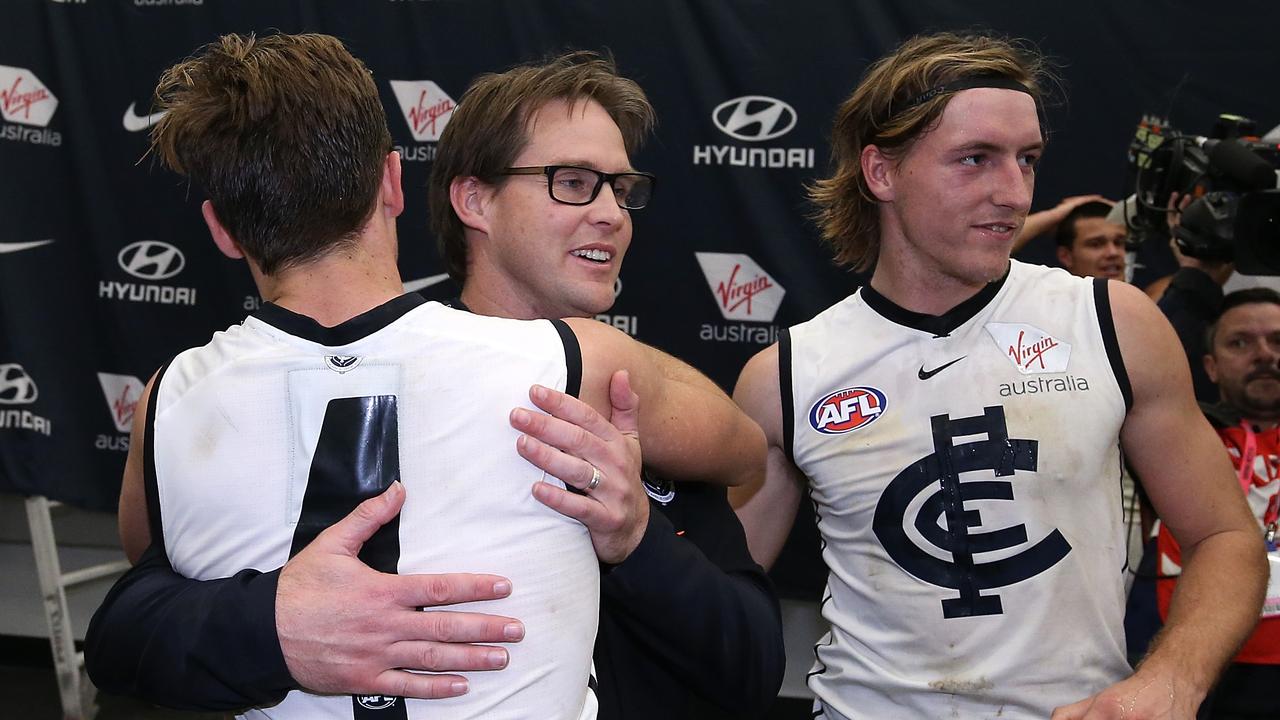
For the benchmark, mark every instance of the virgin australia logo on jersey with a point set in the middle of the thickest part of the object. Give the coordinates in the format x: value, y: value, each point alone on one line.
x: 1029, y: 348
x: 1035, y: 352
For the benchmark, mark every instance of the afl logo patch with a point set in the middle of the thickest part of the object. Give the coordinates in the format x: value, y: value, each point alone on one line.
x: 847, y: 410
x: 341, y: 363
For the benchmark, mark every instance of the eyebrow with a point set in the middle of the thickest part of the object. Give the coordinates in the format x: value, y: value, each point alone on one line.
x: 984, y: 146
x: 590, y: 165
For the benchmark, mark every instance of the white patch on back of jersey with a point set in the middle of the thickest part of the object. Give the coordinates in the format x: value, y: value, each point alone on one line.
x: 1029, y: 348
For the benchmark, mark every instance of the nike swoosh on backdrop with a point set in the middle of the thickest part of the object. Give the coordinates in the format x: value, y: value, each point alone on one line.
x: 133, y: 122
x: 15, y: 247
x: 416, y: 285
x: 926, y: 374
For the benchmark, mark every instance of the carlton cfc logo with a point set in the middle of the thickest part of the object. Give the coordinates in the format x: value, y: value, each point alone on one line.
x: 847, y: 410
x: 950, y: 520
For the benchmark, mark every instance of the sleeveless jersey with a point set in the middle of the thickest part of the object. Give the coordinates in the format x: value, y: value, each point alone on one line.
x: 965, y: 473
x: 278, y: 427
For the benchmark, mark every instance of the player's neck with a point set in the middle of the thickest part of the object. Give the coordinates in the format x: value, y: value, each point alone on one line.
x: 488, y: 291
x: 915, y: 286
x: 337, y: 287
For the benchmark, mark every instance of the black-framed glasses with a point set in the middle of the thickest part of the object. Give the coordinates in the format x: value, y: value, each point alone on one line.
x: 573, y: 185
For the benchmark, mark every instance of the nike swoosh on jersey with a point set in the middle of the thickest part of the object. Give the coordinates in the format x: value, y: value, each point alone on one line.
x: 926, y: 374
x: 133, y: 122
x: 415, y: 285
x: 15, y: 247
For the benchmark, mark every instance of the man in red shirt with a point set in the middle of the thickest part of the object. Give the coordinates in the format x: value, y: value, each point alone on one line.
x: 1244, y: 360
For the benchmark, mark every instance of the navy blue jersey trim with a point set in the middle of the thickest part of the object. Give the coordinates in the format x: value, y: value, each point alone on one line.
x: 572, y: 358
x: 1107, y: 323
x: 149, y: 478
x: 357, y: 328
x: 936, y: 325
x: 784, y: 389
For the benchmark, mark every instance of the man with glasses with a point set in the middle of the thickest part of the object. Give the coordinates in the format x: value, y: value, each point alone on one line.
x: 687, y: 617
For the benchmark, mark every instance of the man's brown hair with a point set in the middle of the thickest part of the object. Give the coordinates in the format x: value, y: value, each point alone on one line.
x: 287, y: 136
x: 892, y: 108
x: 489, y: 129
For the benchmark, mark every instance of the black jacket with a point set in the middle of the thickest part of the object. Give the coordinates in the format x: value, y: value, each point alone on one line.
x: 688, y: 621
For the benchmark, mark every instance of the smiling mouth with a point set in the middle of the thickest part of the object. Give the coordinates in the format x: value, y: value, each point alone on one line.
x: 594, y: 255
x: 999, y: 227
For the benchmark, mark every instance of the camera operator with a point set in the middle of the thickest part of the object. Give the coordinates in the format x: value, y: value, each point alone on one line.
x: 1192, y: 300
x: 1244, y: 360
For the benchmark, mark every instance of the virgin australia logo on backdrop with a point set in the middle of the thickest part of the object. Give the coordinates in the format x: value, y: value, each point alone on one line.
x: 754, y: 119
x: 26, y: 101
x: 122, y: 393
x: 427, y: 109
x: 743, y: 291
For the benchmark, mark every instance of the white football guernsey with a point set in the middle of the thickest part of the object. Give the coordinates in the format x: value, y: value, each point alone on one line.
x: 279, y: 426
x: 965, y: 473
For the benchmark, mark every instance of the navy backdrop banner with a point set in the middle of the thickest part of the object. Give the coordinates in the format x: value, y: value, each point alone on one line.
x: 106, y: 269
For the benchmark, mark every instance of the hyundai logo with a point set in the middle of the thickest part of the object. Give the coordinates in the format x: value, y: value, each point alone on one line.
x: 16, y: 386
x: 754, y: 118
x: 151, y: 260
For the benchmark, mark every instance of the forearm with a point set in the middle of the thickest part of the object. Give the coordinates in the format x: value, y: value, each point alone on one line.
x: 1214, y: 608
x: 187, y: 644
x: 721, y: 631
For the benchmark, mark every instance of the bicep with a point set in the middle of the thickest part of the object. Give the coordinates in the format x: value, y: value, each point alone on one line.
x: 688, y: 427
x: 767, y: 510
x: 1165, y: 436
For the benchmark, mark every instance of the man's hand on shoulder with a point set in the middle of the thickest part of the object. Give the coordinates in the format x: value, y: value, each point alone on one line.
x: 346, y: 628
x: 573, y: 443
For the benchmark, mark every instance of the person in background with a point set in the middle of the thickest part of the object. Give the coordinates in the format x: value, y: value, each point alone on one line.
x: 1244, y: 361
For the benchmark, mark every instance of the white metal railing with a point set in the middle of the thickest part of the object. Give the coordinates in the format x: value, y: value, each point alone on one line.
x: 74, y: 689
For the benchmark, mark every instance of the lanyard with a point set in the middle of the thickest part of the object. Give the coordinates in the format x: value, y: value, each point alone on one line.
x: 1246, y: 474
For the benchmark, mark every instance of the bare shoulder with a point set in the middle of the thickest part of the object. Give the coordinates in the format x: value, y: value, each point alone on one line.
x: 601, y: 342
x: 759, y: 393
x: 1148, y: 346
x: 1133, y: 311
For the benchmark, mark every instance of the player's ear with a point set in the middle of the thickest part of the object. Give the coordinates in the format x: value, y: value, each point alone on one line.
x: 471, y: 199
x: 1064, y: 257
x: 221, y: 237
x: 877, y: 173
x: 391, y: 191
x: 1211, y: 368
